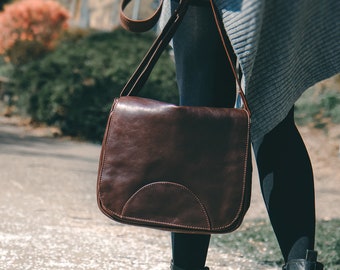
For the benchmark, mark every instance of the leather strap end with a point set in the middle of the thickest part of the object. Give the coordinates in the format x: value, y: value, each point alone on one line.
x: 139, y: 26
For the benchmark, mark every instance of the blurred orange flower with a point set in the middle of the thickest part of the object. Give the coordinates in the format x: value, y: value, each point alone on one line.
x: 40, y: 21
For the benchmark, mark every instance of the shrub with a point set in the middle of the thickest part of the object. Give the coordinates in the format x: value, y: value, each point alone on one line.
x: 29, y: 28
x: 320, y: 105
x: 73, y: 87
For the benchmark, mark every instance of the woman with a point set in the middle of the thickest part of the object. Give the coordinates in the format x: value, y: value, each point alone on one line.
x: 283, y: 47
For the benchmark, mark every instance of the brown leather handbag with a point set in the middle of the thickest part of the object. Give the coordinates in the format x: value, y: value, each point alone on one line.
x: 176, y: 168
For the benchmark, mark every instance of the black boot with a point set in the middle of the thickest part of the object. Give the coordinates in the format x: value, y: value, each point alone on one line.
x: 309, y: 263
x: 174, y: 267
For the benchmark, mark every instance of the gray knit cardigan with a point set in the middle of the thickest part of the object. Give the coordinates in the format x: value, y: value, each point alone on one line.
x: 284, y: 47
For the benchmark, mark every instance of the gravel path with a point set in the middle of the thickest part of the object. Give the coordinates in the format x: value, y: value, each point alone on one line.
x: 50, y: 219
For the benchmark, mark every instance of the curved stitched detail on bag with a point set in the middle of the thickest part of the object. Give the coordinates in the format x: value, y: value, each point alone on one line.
x: 179, y: 226
x: 152, y: 187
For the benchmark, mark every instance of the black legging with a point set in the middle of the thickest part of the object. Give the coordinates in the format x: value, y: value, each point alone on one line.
x: 283, y: 163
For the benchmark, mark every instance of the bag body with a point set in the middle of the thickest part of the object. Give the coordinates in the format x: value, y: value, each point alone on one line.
x: 177, y: 168
x: 173, y: 167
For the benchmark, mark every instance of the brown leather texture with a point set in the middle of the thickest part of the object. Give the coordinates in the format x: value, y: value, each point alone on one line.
x: 177, y: 168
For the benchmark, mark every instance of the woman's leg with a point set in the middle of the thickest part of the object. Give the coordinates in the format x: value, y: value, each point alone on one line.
x: 287, y: 186
x: 204, y: 79
x: 189, y: 251
x: 203, y: 72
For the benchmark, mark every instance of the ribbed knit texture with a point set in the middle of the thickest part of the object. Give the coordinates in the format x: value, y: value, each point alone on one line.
x: 284, y: 47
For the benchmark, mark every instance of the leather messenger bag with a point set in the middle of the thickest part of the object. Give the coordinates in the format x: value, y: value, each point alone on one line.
x: 176, y: 168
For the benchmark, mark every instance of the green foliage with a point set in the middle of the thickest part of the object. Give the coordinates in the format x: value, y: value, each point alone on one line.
x: 328, y: 243
x: 256, y: 241
x: 25, y: 51
x: 74, y: 86
x: 320, y: 105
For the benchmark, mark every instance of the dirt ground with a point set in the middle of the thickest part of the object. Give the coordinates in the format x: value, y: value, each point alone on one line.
x: 324, y: 151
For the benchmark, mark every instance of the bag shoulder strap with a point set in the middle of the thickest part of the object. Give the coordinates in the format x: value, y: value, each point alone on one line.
x: 141, y: 74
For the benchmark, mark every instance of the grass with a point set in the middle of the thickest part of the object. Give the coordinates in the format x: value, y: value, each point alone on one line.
x: 256, y: 241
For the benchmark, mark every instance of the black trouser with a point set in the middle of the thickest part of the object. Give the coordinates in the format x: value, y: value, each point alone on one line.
x: 285, y: 172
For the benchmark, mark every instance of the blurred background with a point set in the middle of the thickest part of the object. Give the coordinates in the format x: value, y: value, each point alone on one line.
x: 63, y: 62
x: 61, y: 65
